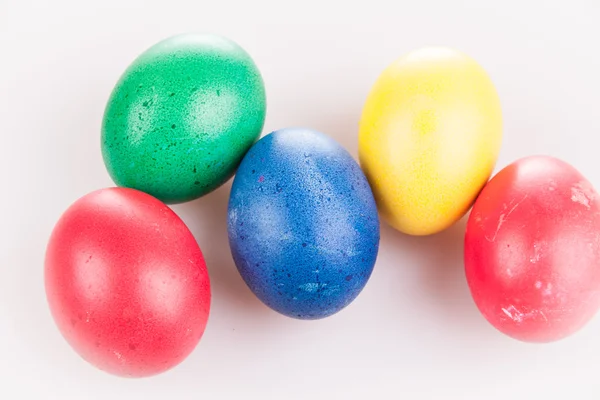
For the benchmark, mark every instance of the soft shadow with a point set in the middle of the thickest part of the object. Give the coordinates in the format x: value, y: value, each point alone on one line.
x: 437, y: 262
x: 207, y: 219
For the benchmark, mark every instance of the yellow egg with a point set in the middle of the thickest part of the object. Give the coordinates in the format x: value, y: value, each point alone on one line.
x: 430, y: 134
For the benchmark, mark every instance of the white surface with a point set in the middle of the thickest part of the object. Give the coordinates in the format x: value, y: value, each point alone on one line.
x: 413, y: 332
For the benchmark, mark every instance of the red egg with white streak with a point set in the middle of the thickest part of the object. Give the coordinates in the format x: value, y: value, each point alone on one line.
x: 532, y: 250
x: 126, y: 283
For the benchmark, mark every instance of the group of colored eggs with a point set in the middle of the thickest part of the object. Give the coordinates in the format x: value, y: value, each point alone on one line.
x: 126, y: 281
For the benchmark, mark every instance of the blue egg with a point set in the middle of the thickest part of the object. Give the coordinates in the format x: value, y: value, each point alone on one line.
x: 303, y: 224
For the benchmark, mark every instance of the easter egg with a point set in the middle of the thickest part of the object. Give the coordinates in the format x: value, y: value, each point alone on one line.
x: 303, y: 224
x: 430, y: 134
x: 532, y: 250
x: 182, y: 116
x: 126, y: 283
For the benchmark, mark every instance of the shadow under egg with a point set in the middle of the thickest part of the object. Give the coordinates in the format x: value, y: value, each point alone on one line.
x: 206, y: 217
x: 437, y: 263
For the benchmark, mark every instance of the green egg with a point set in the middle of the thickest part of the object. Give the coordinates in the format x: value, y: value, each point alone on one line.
x: 182, y: 116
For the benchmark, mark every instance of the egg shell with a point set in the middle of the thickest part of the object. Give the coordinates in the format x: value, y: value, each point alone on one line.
x: 126, y: 283
x: 303, y: 224
x: 532, y: 250
x: 430, y: 134
x: 182, y: 116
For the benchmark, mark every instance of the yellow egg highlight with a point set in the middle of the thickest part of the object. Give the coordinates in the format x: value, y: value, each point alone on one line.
x: 430, y: 135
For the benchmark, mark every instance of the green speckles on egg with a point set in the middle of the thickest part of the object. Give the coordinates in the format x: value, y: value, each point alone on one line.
x: 182, y: 116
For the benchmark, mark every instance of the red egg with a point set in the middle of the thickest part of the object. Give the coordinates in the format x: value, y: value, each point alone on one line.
x: 532, y: 250
x: 126, y: 283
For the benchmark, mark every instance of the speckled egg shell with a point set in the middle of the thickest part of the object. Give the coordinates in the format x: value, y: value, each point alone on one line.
x: 182, y: 116
x: 303, y: 224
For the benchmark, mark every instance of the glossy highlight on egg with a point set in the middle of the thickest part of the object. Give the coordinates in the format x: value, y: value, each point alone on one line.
x: 126, y: 283
x: 303, y: 224
x: 532, y: 250
x: 430, y: 134
x: 182, y: 116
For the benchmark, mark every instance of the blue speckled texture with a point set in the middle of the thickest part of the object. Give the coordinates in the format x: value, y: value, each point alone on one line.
x: 303, y: 224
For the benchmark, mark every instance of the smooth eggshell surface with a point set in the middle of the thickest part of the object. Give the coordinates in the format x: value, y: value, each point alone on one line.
x: 532, y: 250
x: 126, y: 283
x: 303, y: 224
x: 430, y: 134
x: 182, y: 116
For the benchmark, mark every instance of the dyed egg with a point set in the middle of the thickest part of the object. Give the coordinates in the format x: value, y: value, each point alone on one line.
x: 430, y: 135
x: 303, y: 224
x: 532, y: 250
x: 126, y: 283
x: 182, y: 116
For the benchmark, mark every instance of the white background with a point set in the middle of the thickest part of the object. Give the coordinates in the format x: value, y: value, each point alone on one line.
x: 414, y: 332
